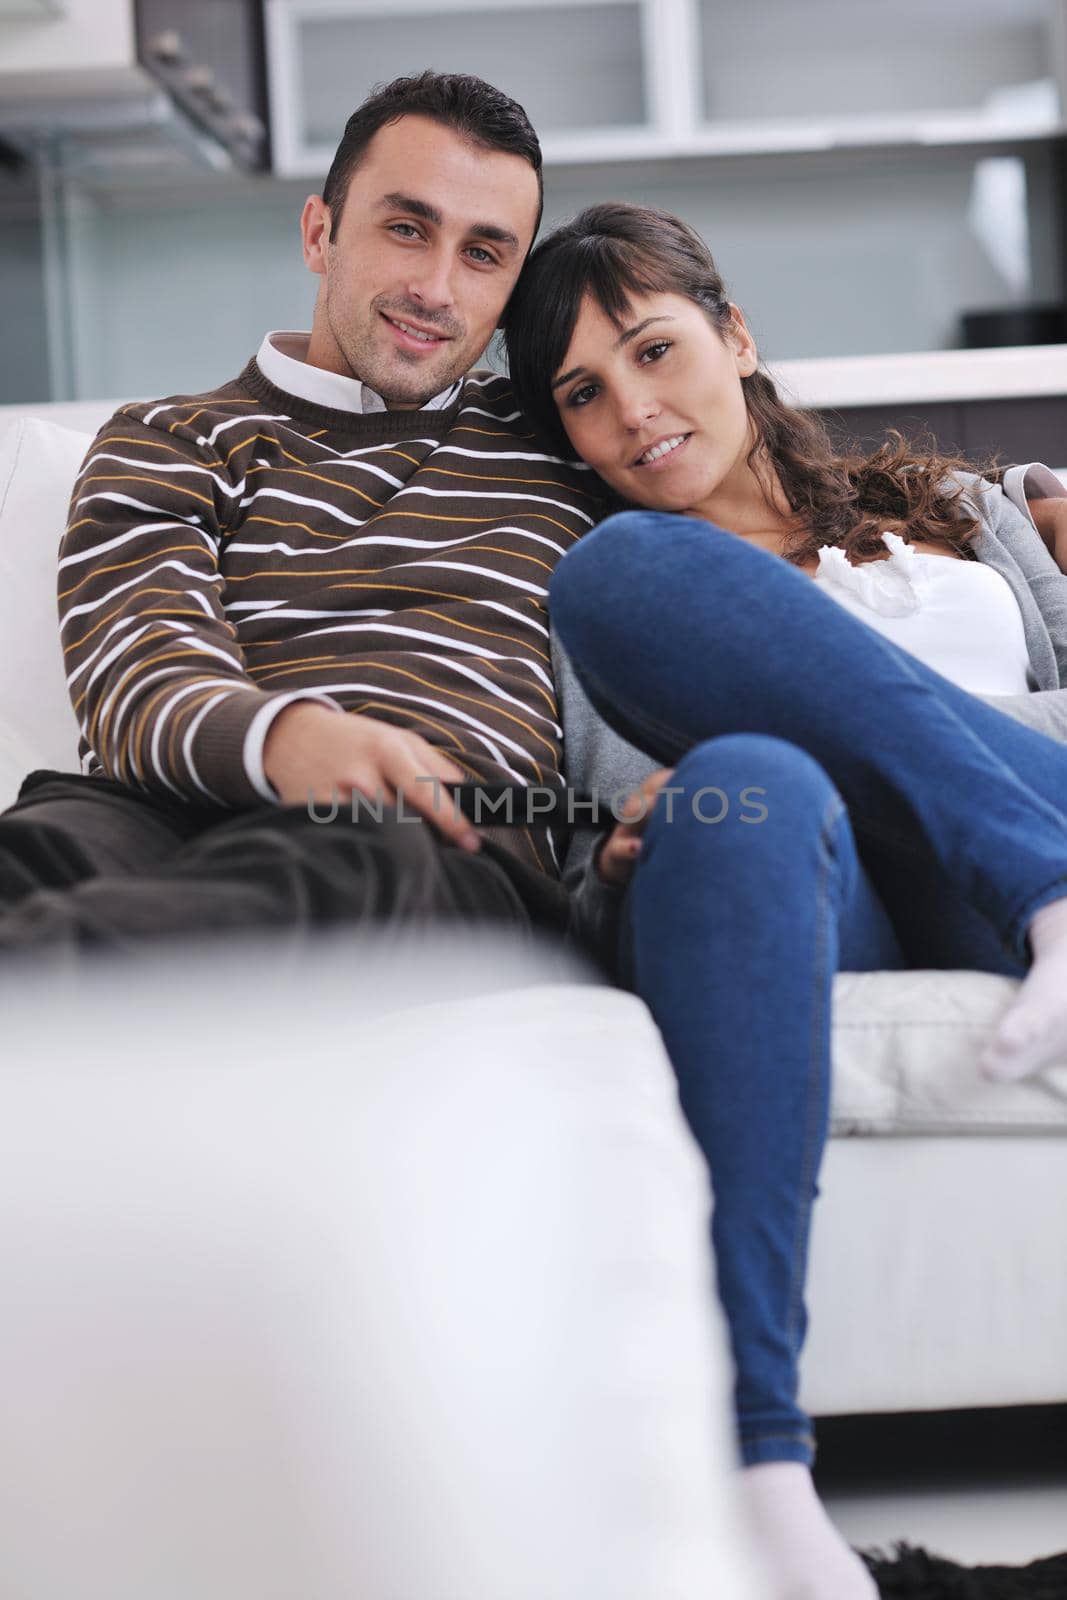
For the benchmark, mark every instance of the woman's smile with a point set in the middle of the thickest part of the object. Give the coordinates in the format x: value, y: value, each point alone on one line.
x: 663, y: 453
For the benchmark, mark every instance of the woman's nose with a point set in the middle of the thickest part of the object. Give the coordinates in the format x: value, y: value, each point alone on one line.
x: 638, y: 409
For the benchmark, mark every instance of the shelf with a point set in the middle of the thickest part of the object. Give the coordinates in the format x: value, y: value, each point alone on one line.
x: 637, y: 146
x: 1016, y: 372
x: 800, y: 138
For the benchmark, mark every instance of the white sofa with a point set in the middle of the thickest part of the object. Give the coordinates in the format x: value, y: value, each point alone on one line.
x: 307, y: 1292
x: 327, y: 1271
x: 939, y: 1274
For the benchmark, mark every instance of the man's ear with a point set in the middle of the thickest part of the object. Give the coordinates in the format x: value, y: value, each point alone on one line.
x: 743, y: 343
x: 315, y: 223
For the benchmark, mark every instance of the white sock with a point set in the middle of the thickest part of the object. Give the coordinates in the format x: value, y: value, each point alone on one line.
x: 1033, y: 1031
x: 803, y: 1553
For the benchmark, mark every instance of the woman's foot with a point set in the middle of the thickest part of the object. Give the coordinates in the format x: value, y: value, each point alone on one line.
x: 1033, y: 1031
x: 803, y: 1553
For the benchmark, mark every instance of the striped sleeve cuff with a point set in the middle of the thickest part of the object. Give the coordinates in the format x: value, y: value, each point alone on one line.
x: 229, y: 748
x: 256, y: 738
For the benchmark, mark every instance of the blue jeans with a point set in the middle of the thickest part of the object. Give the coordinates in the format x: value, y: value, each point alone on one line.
x: 904, y: 824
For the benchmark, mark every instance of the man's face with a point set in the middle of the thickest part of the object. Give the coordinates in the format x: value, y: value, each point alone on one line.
x: 432, y: 234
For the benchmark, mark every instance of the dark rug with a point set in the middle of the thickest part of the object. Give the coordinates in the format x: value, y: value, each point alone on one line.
x: 916, y: 1575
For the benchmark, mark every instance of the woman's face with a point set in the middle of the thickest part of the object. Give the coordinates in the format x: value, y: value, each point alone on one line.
x: 656, y: 406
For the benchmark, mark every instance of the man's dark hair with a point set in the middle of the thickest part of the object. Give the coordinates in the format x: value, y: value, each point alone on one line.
x: 470, y: 106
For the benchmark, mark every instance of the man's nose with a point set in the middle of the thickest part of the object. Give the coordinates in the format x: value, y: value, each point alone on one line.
x: 431, y: 286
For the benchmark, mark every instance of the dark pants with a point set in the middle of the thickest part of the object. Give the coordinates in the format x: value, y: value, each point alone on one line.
x: 89, y: 862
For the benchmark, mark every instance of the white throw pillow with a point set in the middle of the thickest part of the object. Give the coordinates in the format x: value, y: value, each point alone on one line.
x: 39, y: 462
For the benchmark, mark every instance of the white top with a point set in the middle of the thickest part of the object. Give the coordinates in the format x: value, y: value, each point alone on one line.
x: 958, y: 617
x: 282, y: 359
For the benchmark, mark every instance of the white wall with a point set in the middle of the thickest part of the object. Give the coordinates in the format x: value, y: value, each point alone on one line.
x: 850, y: 254
x: 24, y: 350
x: 175, y: 297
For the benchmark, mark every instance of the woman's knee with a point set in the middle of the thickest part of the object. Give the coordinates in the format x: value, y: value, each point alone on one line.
x: 744, y: 778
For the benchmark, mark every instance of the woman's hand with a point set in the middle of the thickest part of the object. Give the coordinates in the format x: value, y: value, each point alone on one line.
x: 617, y: 855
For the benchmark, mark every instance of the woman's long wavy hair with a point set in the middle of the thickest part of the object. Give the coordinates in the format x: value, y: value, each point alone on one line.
x: 614, y: 251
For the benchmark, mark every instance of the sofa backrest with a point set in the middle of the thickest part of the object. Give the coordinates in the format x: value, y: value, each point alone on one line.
x: 39, y: 461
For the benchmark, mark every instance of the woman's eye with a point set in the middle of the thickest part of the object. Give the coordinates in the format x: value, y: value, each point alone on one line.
x: 582, y: 396
x: 655, y: 351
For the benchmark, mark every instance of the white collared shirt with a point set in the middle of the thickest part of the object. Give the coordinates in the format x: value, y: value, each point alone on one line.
x: 282, y: 359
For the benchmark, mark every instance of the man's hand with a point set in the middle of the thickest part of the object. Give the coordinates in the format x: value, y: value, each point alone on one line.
x: 315, y: 753
x: 616, y: 857
x: 1050, y: 518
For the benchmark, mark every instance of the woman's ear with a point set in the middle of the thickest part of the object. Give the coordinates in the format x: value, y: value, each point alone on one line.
x: 743, y: 343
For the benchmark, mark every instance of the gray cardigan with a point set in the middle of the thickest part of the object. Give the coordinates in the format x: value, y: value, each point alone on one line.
x: 596, y: 758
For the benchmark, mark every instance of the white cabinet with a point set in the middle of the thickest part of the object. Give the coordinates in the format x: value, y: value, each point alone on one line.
x: 610, y: 80
x: 145, y: 86
x: 595, y: 76
x: 77, y: 48
x: 827, y: 72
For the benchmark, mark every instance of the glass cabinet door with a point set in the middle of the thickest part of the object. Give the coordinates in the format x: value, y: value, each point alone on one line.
x: 914, y: 66
x: 577, y: 68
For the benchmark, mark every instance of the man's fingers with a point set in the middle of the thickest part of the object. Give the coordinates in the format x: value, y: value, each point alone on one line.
x: 422, y: 780
x: 433, y: 763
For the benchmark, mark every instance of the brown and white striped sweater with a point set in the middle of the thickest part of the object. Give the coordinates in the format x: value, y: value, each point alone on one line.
x: 231, y: 551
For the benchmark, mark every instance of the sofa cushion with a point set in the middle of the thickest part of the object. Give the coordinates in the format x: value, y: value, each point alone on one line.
x: 906, y: 1048
x: 38, y: 464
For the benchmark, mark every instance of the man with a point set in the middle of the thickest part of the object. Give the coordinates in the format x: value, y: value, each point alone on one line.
x: 326, y: 578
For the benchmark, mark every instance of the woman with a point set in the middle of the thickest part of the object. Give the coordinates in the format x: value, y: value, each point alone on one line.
x: 845, y: 800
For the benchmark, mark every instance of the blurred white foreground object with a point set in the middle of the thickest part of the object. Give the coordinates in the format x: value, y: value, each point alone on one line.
x: 311, y: 1292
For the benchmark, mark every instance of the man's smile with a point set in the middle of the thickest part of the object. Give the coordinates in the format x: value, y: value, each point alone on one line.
x: 413, y: 337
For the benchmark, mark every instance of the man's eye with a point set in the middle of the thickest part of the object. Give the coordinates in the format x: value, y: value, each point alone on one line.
x: 399, y: 227
x: 582, y: 396
x: 484, y: 256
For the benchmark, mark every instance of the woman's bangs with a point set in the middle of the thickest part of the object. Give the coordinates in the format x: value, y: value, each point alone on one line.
x: 610, y: 272
x: 621, y: 271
